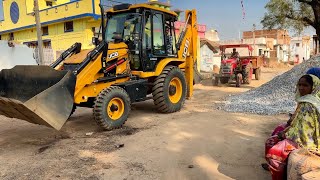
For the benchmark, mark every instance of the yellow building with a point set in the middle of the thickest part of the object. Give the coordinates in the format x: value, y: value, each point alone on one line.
x: 63, y: 22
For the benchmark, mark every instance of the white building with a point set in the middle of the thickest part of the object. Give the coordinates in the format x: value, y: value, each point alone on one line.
x: 212, y: 35
x: 274, y: 44
x: 300, y: 48
x: 209, y: 55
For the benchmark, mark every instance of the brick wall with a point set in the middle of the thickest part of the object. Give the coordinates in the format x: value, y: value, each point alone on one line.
x: 281, y: 36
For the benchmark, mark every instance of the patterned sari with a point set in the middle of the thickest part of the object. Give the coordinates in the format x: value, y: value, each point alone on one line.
x: 304, y: 128
x: 304, y: 131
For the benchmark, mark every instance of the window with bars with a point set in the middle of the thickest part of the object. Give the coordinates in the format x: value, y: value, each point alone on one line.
x: 68, y: 26
x: 49, y: 3
x: 45, y: 31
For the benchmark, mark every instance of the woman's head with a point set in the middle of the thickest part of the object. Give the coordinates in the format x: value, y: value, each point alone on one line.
x: 305, y: 85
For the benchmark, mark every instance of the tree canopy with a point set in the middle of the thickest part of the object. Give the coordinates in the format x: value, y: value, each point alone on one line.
x: 292, y: 14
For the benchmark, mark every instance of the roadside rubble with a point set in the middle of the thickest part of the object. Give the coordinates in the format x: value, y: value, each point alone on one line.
x: 274, y: 97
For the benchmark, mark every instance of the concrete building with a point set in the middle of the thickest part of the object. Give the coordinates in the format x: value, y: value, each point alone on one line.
x: 201, y: 28
x: 210, y: 55
x: 315, y: 45
x: 300, y: 48
x: 212, y: 35
x: 19, y: 55
x: 64, y: 22
x: 274, y: 43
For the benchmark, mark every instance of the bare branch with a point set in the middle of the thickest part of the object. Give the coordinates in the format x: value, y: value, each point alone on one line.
x: 309, y: 21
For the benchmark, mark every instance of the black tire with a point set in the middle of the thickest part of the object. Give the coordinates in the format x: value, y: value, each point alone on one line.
x: 161, y: 86
x: 258, y: 74
x: 246, y: 76
x: 238, y: 80
x: 224, y: 80
x: 100, y: 114
x: 215, y: 81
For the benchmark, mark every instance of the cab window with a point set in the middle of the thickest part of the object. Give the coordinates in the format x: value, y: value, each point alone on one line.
x: 158, y: 37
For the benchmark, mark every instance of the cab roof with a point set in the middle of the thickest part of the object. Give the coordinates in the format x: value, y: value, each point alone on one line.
x: 126, y: 7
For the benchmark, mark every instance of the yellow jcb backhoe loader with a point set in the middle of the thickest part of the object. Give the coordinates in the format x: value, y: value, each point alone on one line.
x: 138, y: 56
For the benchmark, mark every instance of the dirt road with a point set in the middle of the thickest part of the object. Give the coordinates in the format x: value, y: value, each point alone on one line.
x: 199, y: 142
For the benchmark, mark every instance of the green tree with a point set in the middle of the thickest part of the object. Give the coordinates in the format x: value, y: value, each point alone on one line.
x: 292, y: 14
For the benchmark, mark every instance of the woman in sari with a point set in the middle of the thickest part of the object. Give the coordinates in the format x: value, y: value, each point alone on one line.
x: 312, y: 71
x: 303, y: 130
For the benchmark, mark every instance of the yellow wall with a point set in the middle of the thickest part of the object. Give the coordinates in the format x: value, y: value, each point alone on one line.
x: 60, y: 40
x: 49, y: 14
x: 43, y: 5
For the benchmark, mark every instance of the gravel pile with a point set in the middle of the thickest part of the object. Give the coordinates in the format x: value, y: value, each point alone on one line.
x: 274, y: 97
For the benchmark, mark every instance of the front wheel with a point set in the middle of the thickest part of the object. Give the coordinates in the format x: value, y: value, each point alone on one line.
x: 169, y: 90
x: 215, y: 81
x: 111, y: 108
x: 238, y: 80
x: 224, y: 80
x: 258, y: 74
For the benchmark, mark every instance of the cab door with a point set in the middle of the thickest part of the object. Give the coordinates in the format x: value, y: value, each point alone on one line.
x: 153, y: 45
x: 159, y: 39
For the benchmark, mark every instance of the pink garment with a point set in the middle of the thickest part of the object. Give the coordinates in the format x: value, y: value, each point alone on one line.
x: 279, y: 128
x: 277, y: 154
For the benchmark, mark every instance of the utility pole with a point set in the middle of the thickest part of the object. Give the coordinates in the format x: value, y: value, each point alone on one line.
x: 39, y: 32
x: 254, y: 40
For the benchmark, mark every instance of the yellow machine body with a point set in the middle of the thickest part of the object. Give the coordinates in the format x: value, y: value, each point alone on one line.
x: 81, y: 79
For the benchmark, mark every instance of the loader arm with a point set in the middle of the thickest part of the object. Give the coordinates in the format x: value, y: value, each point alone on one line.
x: 74, y: 49
x: 187, y: 48
x: 91, y: 72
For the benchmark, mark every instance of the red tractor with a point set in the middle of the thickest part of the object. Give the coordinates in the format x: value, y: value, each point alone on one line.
x: 238, y: 68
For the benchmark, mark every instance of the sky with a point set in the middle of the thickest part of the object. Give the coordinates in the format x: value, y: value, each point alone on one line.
x: 225, y: 16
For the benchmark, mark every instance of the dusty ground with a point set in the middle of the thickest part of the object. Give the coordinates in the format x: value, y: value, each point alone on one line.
x: 199, y: 142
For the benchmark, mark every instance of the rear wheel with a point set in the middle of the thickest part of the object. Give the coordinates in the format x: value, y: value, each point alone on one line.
x: 258, y: 74
x: 224, y: 80
x: 111, y: 108
x: 169, y: 90
x: 248, y: 74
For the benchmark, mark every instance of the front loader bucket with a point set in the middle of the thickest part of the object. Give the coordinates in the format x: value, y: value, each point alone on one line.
x: 37, y: 94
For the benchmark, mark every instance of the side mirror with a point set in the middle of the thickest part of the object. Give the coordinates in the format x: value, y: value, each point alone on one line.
x: 95, y: 41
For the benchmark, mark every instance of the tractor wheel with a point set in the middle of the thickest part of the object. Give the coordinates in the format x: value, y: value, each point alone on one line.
x: 258, y: 74
x: 224, y: 80
x: 238, y: 80
x: 169, y: 90
x: 248, y: 74
x: 215, y: 81
x: 111, y: 108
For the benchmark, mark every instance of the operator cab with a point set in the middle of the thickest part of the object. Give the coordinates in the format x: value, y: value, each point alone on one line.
x: 148, y: 33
